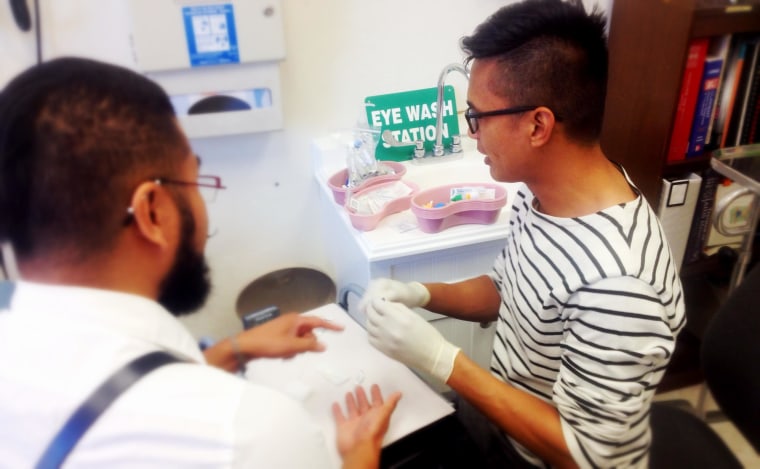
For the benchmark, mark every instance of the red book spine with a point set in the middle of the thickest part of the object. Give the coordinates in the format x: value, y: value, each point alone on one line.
x: 687, y: 100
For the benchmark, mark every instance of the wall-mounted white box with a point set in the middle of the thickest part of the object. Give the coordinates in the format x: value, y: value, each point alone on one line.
x: 218, y: 60
x: 164, y: 30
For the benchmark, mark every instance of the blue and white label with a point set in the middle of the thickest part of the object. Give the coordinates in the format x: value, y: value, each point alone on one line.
x: 211, y: 35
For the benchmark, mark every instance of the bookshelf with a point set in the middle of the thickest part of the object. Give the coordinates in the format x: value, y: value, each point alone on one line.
x: 648, y: 44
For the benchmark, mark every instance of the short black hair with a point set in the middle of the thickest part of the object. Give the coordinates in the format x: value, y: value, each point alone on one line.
x: 76, y: 138
x: 551, y: 53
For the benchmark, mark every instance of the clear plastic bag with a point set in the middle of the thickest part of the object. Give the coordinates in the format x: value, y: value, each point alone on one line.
x: 360, y: 159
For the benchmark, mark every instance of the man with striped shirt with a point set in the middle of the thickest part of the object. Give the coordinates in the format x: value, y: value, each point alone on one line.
x: 586, y: 293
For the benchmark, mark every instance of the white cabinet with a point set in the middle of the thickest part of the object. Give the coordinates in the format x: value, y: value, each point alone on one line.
x: 397, y: 250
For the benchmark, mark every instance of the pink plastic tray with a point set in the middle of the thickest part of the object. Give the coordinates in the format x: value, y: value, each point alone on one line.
x: 478, y: 211
x: 338, y: 180
x: 369, y: 222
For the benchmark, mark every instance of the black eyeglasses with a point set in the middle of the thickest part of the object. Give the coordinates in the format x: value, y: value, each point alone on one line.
x: 208, y: 185
x: 472, y: 116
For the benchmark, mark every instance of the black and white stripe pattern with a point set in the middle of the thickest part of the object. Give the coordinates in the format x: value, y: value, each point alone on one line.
x: 590, y: 310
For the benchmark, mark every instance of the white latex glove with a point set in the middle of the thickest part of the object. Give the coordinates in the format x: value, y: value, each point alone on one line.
x: 404, y: 335
x: 411, y: 294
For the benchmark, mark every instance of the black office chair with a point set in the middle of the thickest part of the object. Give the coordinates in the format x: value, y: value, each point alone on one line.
x: 731, y: 363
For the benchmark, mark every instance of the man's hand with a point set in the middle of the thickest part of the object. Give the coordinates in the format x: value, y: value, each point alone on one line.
x: 400, y: 333
x: 284, y: 336
x: 412, y: 294
x: 361, y: 430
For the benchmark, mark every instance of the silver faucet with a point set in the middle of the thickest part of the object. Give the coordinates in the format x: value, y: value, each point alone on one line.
x: 456, y: 145
x: 456, y: 141
x: 390, y: 140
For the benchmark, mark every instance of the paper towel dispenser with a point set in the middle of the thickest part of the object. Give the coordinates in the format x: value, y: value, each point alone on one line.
x: 218, y: 60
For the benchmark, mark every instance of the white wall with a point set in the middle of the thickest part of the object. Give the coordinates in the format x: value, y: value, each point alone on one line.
x: 338, y: 52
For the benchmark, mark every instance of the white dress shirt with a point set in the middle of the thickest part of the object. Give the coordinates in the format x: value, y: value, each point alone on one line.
x: 57, y: 344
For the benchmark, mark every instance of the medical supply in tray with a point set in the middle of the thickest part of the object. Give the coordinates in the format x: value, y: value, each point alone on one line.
x: 465, y: 193
x: 450, y: 205
x: 339, y: 182
x: 367, y: 207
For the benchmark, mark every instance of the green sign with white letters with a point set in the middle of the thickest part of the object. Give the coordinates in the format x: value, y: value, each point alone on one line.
x: 411, y: 116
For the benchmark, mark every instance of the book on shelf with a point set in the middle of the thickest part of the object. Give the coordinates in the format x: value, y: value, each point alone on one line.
x: 687, y: 99
x: 754, y: 128
x: 751, y: 128
x: 751, y: 101
x: 676, y: 211
x: 736, y: 104
x: 702, y: 218
x: 732, y: 134
x: 708, y: 90
x: 719, y: 49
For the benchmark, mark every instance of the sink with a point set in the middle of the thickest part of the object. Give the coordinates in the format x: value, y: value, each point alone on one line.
x: 443, y: 170
x: 399, y: 234
x: 329, y: 157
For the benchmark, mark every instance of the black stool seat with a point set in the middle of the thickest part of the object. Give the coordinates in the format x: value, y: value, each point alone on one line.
x: 295, y: 289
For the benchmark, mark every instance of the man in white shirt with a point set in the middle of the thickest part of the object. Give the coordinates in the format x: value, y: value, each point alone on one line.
x: 100, y: 200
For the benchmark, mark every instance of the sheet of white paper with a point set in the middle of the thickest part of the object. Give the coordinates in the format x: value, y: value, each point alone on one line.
x: 319, y: 379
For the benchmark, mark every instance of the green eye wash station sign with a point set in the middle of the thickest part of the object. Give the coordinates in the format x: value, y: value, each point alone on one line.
x: 411, y: 117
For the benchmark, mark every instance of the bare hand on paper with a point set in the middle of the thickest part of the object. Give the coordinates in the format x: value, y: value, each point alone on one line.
x: 361, y: 430
x: 284, y: 336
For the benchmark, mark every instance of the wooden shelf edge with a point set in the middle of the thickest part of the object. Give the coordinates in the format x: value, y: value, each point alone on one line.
x: 688, y: 165
x: 718, y: 18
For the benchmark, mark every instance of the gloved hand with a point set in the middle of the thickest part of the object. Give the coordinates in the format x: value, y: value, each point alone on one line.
x: 404, y: 335
x: 411, y: 294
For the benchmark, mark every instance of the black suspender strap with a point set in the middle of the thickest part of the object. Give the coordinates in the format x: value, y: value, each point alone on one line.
x: 97, y: 403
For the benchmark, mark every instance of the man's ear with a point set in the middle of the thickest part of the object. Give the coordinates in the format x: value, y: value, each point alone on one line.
x: 542, y: 126
x: 149, y: 208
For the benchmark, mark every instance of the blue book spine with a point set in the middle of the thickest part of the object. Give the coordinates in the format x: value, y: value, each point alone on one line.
x: 705, y: 105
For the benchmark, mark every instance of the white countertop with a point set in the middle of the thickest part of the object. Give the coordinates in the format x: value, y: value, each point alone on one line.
x: 393, y: 237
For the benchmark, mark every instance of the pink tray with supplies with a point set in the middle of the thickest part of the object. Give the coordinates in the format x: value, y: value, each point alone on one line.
x: 369, y: 222
x: 435, y: 211
x: 337, y: 181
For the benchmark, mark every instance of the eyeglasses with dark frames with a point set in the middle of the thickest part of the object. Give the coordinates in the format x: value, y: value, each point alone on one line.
x: 208, y: 185
x: 472, y: 116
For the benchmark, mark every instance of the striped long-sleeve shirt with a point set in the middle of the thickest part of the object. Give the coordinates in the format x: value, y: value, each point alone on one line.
x: 591, y: 307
